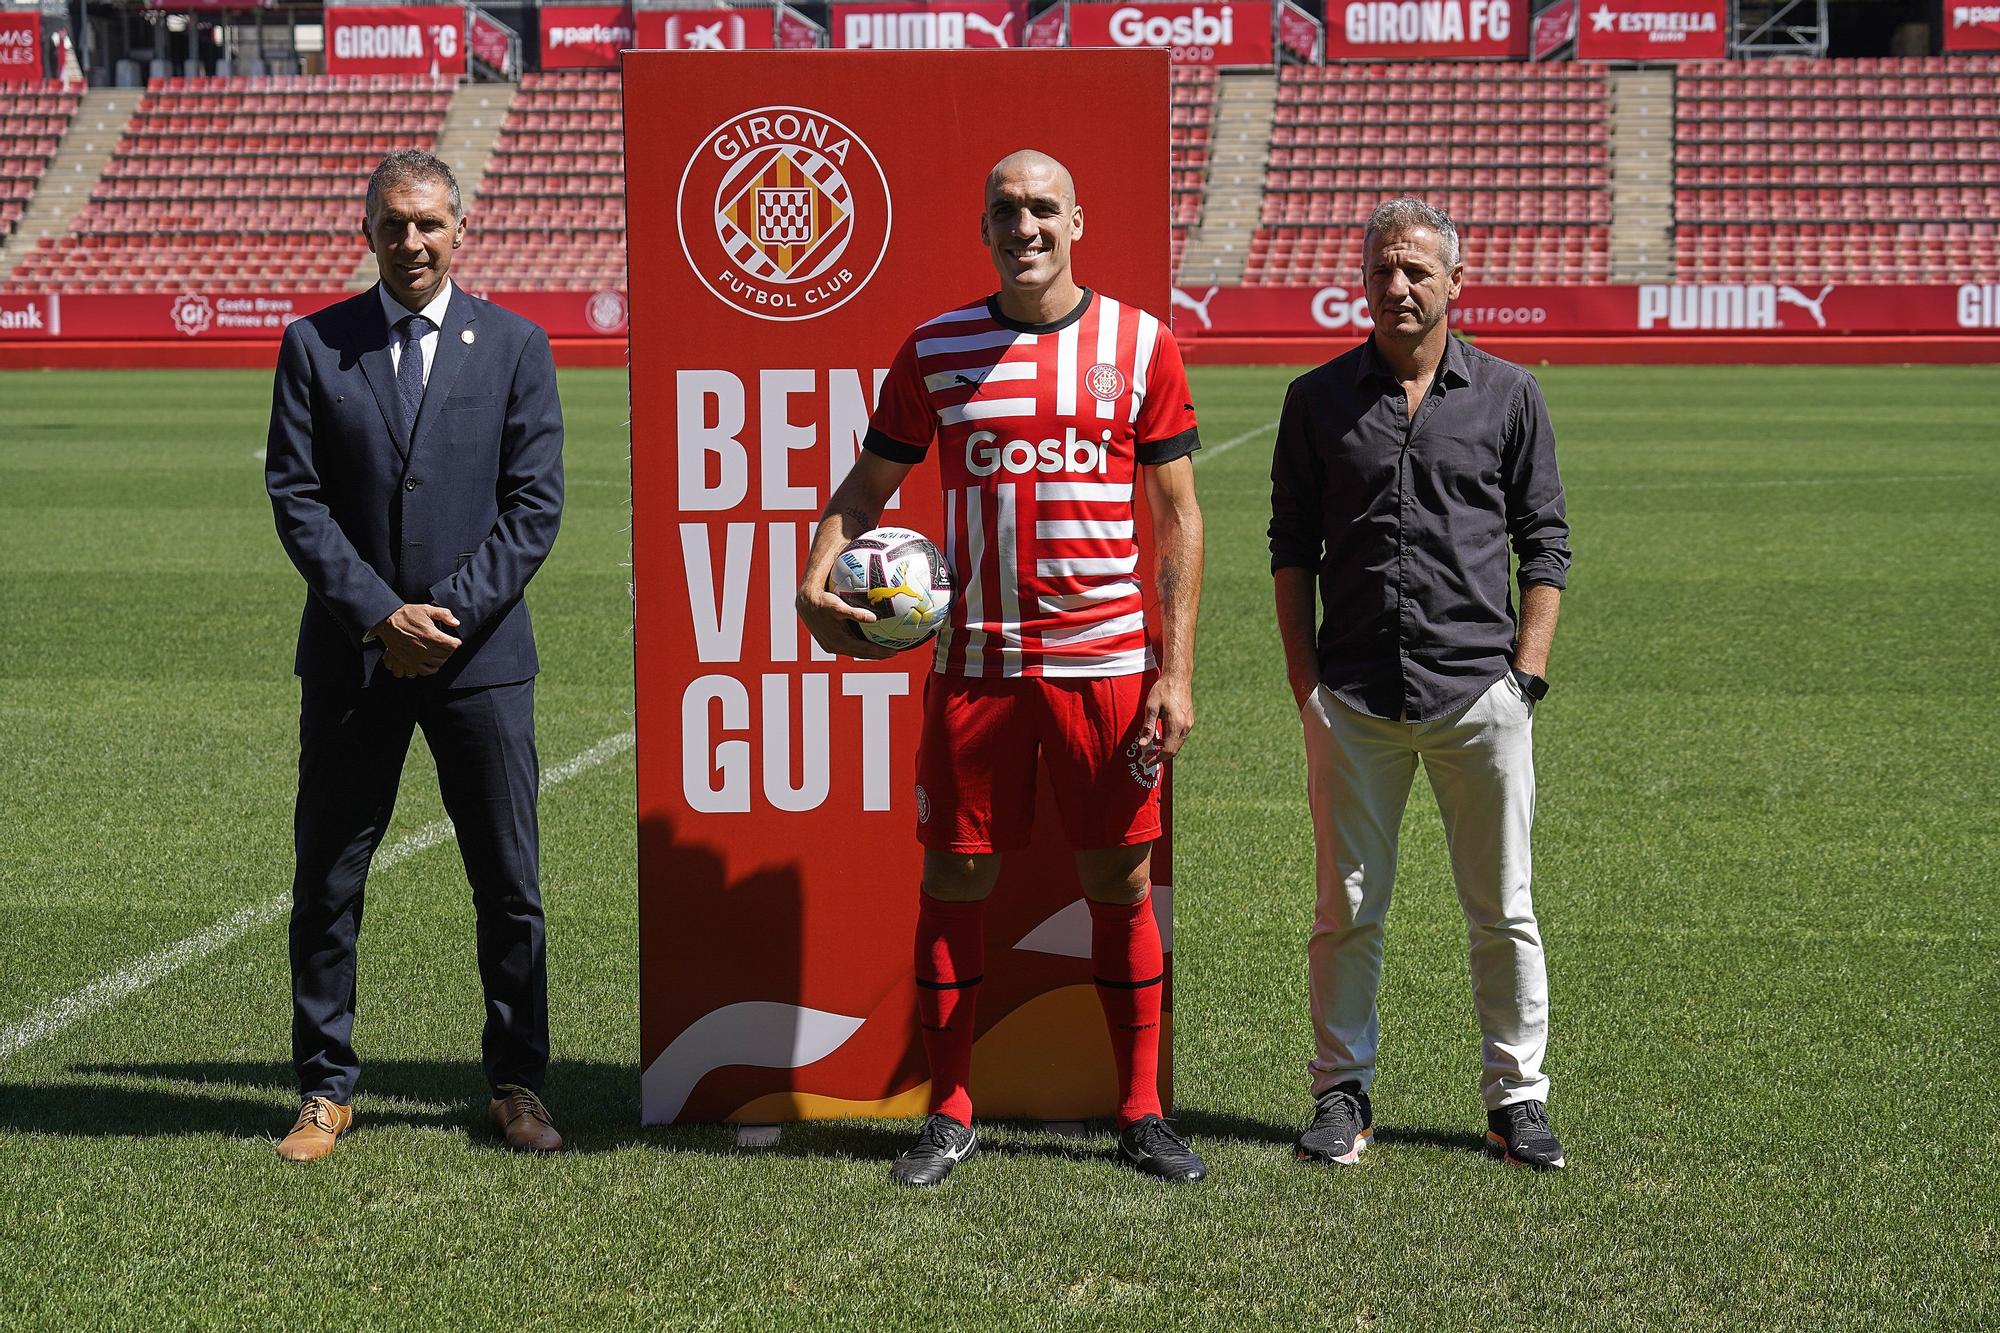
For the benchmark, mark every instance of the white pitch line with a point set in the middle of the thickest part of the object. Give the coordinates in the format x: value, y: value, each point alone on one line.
x: 1204, y: 454
x: 1782, y: 481
x: 135, y: 976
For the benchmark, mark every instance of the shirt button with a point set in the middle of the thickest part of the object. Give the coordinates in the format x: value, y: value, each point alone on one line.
x: 410, y: 485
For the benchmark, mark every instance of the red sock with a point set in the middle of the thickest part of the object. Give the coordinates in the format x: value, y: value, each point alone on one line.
x: 951, y: 962
x: 1125, y: 954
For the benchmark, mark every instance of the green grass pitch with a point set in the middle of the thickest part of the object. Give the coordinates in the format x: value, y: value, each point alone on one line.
x: 1766, y: 872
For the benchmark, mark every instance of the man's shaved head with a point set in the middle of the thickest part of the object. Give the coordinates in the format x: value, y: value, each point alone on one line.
x: 1029, y: 222
x: 1032, y: 162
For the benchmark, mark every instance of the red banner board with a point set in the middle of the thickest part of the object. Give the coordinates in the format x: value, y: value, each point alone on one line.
x: 705, y: 29
x: 1554, y: 28
x: 1772, y: 307
x: 1776, y: 307
x: 1045, y: 29
x: 778, y: 862
x: 1196, y: 34
x: 917, y: 25
x: 20, y: 46
x: 1791, y: 309
x: 1299, y: 33
x: 395, y: 39
x: 1426, y: 29
x: 210, y: 312
x: 585, y: 36
x: 1653, y: 30
x: 1971, y: 27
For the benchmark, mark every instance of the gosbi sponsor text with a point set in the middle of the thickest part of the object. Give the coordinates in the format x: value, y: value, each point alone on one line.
x: 1397, y: 22
x: 1195, y: 33
x: 784, y: 213
x: 1076, y: 455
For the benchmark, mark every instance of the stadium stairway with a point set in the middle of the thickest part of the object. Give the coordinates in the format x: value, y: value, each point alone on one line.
x: 1239, y: 150
x: 65, y: 188
x: 471, y: 127
x: 1642, y: 175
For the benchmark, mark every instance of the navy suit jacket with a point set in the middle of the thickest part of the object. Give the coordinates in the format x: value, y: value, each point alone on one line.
x: 459, y: 512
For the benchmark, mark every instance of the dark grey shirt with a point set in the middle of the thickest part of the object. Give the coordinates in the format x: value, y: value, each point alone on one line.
x: 1408, y: 523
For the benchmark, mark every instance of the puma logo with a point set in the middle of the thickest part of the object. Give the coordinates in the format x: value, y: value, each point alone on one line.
x: 1200, y: 308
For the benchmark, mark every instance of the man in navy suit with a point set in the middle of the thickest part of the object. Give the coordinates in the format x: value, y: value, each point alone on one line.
x: 415, y: 464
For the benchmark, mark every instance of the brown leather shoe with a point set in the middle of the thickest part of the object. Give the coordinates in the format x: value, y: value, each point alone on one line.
x: 523, y: 1121
x: 320, y: 1124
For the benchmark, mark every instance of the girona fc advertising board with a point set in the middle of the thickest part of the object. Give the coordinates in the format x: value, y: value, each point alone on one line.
x: 788, y: 227
x: 1196, y: 34
x: 395, y: 39
x: 1653, y: 30
x: 1426, y: 29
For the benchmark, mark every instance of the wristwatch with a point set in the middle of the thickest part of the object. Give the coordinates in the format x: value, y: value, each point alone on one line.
x: 1532, y: 686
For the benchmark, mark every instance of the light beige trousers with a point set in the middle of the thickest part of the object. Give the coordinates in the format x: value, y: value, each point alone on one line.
x: 1481, y: 767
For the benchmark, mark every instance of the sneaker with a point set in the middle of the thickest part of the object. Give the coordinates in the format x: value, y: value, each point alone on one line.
x: 1342, y: 1124
x: 1520, y: 1133
x: 1150, y: 1146
x: 941, y: 1145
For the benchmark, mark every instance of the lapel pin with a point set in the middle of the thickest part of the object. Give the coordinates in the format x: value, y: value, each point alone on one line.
x: 466, y: 337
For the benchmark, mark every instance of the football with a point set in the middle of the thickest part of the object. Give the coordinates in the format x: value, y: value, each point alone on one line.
x: 899, y: 576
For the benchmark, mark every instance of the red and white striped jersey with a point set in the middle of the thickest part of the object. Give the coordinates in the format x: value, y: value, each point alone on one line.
x: 1042, y: 428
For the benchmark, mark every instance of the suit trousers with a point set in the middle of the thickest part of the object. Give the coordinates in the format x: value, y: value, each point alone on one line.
x: 352, y: 742
x: 1480, y: 763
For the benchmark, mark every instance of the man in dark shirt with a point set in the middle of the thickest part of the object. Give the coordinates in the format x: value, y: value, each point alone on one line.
x: 1404, y: 470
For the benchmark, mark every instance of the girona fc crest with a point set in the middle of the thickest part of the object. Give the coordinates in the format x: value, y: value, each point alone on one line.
x: 784, y: 213
x: 1105, y: 382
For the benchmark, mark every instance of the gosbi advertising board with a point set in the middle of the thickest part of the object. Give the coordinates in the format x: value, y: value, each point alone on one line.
x: 1196, y: 34
x: 585, y: 36
x: 918, y: 25
x: 1426, y: 29
x: 706, y: 29
x: 20, y: 47
x: 1971, y: 27
x: 395, y: 39
x: 1653, y: 30
x: 789, y: 227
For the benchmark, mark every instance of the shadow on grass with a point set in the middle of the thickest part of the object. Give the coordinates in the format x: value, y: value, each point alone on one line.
x: 1433, y: 1136
x: 595, y: 1104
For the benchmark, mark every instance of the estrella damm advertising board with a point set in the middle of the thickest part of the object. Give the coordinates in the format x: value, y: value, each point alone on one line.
x: 790, y: 221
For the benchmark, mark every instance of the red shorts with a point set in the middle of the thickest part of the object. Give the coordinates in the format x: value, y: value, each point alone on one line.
x: 976, y: 763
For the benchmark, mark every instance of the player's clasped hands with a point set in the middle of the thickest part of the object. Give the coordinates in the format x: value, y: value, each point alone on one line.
x: 835, y: 625
x: 414, y: 641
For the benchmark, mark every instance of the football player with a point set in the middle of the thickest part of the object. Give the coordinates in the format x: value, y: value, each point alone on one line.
x: 1052, y: 407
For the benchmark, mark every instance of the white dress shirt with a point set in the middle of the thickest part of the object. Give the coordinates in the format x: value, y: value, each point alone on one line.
x: 394, y: 310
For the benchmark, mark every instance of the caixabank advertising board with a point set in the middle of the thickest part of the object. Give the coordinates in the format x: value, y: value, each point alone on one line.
x: 792, y: 217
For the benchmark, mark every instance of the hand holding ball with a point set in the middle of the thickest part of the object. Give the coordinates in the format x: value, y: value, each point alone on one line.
x: 900, y: 577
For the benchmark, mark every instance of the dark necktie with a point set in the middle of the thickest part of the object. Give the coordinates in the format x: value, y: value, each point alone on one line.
x: 410, y: 368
